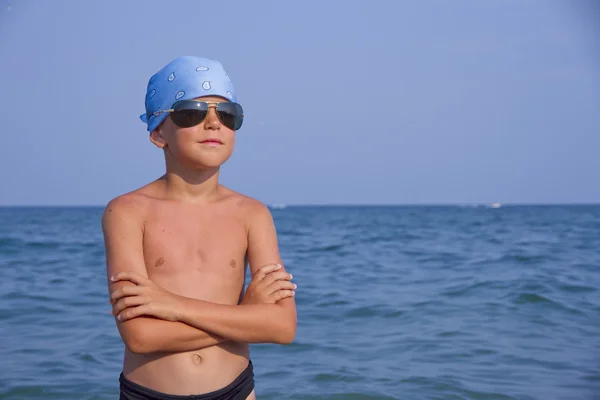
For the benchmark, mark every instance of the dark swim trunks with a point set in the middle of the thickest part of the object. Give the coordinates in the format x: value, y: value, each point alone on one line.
x: 239, y: 389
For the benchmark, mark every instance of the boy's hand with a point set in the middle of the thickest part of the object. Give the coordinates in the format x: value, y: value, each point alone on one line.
x: 269, y: 285
x: 147, y: 298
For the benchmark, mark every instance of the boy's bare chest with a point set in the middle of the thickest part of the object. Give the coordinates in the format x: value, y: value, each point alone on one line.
x: 201, y: 256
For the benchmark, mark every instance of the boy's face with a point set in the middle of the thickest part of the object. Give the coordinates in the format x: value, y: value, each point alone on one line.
x: 206, y: 145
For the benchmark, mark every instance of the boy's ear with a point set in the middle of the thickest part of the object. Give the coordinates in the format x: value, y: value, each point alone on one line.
x: 157, y: 138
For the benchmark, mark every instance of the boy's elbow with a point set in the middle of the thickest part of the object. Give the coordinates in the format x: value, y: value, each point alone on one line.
x: 137, y: 345
x: 134, y: 339
x: 286, y: 332
x: 286, y: 336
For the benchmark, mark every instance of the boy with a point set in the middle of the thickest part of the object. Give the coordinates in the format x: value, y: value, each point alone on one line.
x: 177, y: 251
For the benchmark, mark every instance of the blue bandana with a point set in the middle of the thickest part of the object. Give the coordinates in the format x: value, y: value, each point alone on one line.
x: 184, y: 78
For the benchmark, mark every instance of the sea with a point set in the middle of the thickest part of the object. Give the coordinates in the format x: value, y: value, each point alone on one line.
x: 394, y: 302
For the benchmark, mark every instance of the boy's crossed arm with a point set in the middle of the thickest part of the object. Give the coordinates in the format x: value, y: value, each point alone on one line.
x: 250, y: 323
x: 152, y: 319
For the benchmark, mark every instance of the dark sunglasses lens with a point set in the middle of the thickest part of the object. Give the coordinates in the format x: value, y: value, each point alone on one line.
x: 227, y: 118
x: 230, y: 115
x: 187, y: 118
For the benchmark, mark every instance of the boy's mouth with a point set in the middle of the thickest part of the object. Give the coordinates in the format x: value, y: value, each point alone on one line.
x: 212, y: 140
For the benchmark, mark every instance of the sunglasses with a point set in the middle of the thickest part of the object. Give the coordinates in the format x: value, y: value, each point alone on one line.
x: 188, y: 113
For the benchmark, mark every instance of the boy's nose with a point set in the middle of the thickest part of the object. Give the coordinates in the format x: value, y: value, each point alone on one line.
x: 212, y: 120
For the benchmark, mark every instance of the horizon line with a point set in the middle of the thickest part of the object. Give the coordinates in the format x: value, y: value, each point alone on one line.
x: 286, y: 205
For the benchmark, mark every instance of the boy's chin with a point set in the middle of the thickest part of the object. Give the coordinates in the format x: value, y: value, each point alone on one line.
x: 206, y: 163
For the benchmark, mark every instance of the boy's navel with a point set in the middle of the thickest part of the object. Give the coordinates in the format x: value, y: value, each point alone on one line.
x: 159, y: 262
x: 197, y: 358
x: 232, y: 263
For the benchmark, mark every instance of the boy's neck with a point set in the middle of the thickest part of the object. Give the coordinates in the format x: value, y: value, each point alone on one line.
x: 191, y: 186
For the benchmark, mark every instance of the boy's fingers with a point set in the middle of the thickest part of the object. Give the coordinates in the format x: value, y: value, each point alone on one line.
x: 133, y: 312
x: 282, y: 294
x: 266, y: 269
x: 282, y: 285
x: 276, y: 276
x: 124, y: 291
x: 129, y: 276
x: 128, y: 302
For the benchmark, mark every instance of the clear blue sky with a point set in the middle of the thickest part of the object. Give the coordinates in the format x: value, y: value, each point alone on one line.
x: 362, y: 102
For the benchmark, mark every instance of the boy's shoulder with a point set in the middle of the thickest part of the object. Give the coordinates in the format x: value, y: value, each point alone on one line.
x: 131, y: 204
x: 248, y: 206
x: 136, y: 203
